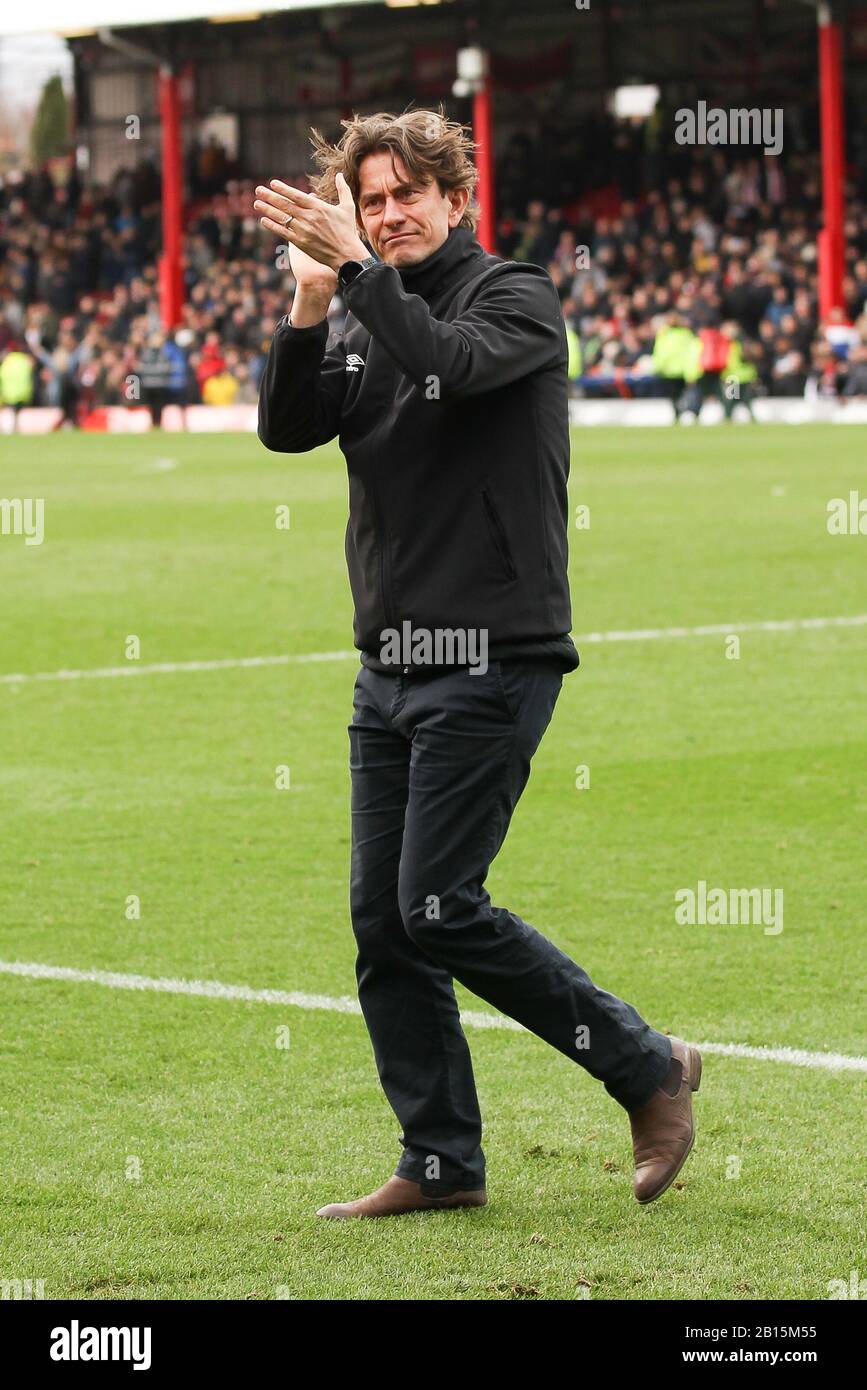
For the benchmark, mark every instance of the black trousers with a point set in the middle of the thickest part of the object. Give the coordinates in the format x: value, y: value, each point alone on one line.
x: 438, y: 762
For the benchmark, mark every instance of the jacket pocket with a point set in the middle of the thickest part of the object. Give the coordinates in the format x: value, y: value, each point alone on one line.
x: 498, y: 535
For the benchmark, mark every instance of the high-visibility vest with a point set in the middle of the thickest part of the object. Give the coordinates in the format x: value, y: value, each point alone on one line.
x: 737, y: 367
x: 16, y: 379
x: 575, y: 365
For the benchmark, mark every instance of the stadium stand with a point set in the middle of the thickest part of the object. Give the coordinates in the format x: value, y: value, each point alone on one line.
x: 677, y: 268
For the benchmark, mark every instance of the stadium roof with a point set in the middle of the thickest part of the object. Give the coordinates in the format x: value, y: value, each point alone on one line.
x: 54, y: 16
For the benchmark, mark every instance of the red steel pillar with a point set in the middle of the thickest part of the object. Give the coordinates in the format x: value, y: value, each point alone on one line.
x: 832, y: 257
x: 170, y: 269
x: 483, y: 134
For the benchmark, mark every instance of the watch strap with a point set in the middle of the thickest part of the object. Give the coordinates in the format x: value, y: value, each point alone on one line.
x: 350, y: 270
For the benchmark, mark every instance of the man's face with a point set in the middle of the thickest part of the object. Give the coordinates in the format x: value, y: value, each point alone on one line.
x: 404, y: 220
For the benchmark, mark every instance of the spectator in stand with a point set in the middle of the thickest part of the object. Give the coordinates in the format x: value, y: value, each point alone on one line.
x: 154, y: 369
x: 740, y: 374
x: 825, y: 379
x: 539, y: 236
x: 676, y: 361
x: 856, y: 376
x: 703, y: 232
x: 178, y: 381
x: 840, y: 332
x: 59, y: 373
x: 713, y: 356
x: 780, y: 306
x: 858, y: 288
x: 248, y: 389
x: 211, y: 362
x: 16, y: 379
x: 221, y: 388
x: 789, y: 370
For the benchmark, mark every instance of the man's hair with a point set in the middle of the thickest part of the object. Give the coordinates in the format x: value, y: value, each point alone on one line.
x: 430, y: 146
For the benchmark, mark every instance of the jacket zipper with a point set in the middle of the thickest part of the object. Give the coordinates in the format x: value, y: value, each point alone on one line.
x: 384, y: 552
x: 500, y: 540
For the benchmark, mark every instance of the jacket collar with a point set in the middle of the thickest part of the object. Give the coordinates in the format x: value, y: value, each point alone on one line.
x: 428, y: 276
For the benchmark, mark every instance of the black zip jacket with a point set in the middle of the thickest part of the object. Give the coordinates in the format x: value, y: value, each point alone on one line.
x: 448, y: 390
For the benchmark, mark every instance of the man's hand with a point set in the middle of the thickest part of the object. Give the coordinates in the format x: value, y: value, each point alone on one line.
x: 326, y: 234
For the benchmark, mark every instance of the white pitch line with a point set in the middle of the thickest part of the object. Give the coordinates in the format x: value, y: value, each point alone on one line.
x: 173, y: 667
x: 211, y: 989
x: 214, y: 989
x: 645, y: 634
x: 156, y: 466
x: 794, y: 1056
x: 652, y: 634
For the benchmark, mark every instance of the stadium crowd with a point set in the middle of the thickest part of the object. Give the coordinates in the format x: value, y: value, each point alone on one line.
x: 682, y: 269
x: 678, y: 272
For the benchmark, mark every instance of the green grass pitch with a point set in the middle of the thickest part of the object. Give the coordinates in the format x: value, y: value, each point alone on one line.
x: 157, y: 1145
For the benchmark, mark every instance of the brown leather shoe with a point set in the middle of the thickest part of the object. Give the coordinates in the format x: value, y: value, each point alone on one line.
x: 399, y: 1195
x: 663, y: 1129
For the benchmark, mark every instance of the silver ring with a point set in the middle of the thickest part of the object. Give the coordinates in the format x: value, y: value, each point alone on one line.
x: 289, y: 218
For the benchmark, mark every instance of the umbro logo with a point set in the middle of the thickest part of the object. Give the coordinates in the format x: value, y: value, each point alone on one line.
x: 354, y: 362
